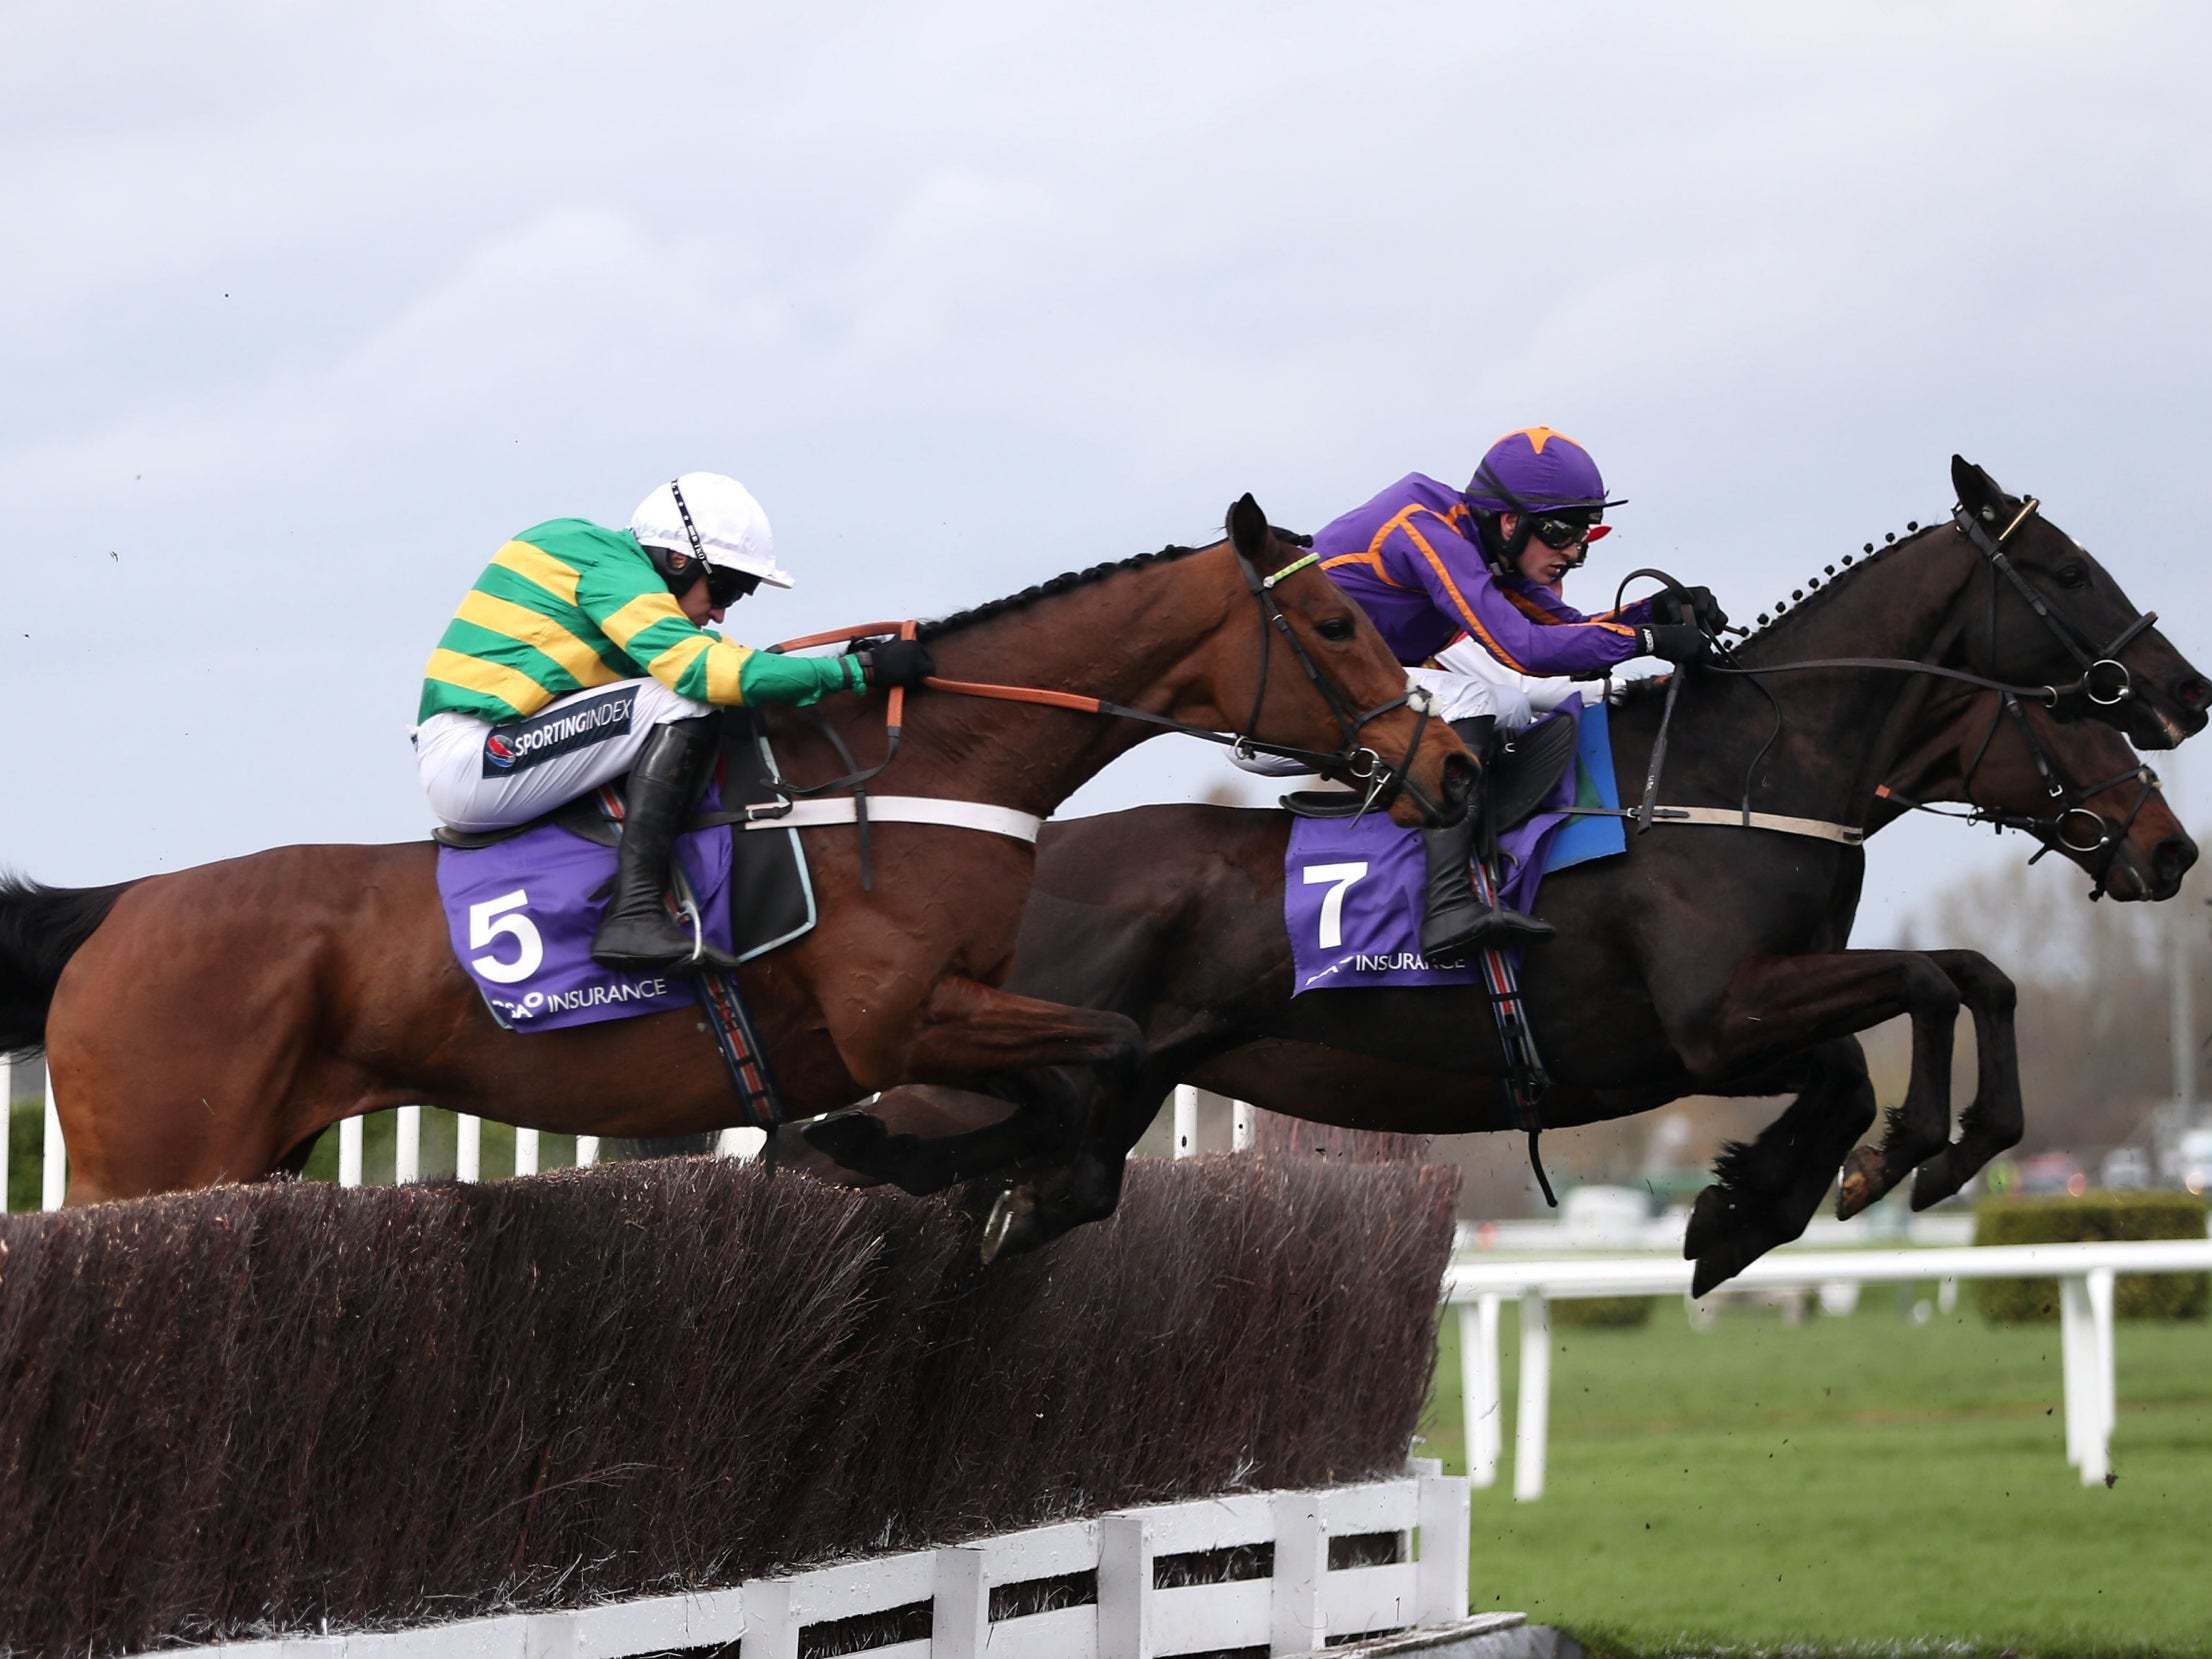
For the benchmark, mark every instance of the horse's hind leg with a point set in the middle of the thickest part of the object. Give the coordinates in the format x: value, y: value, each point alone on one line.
x: 1765, y: 1193
x: 1996, y: 1118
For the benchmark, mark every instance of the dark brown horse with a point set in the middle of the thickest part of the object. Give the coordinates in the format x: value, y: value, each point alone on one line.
x: 1179, y: 910
x: 1708, y: 960
x: 207, y: 1025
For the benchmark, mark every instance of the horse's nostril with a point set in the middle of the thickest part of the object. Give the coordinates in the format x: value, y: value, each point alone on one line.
x: 2193, y: 693
x: 2172, y: 857
x: 1459, y: 780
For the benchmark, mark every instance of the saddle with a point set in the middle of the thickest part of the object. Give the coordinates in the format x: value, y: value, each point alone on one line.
x: 1518, y: 777
x: 771, y: 897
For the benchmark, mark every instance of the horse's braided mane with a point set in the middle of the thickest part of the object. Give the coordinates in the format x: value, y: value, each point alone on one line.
x: 1047, y: 590
x: 1815, y: 590
x: 1644, y: 687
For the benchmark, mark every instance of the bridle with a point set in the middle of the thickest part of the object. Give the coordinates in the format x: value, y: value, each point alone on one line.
x: 2116, y: 687
x: 2058, y: 831
x: 1352, y: 758
x: 1972, y: 525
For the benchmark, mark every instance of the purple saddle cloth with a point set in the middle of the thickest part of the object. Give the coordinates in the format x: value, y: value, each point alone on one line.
x: 1353, y: 888
x: 522, y: 911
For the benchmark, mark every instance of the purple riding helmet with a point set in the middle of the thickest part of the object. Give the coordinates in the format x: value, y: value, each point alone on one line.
x: 1546, y: 479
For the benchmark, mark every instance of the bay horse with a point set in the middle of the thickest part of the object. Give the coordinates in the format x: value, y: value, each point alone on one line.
x: 207, y: 1025
x: 1707, y: 960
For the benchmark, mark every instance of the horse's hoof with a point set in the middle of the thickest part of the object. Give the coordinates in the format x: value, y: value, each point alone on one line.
x: 1715, y: 1268
x: 1010, y: 1228
x: 1862, y: 1174
x: 854, y: 1139
x: 1934, y: 1182
x: 1708, y: 1221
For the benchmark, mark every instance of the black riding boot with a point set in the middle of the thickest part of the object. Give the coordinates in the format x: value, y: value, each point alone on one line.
x: 637, y: 934
x: 1455, y: 920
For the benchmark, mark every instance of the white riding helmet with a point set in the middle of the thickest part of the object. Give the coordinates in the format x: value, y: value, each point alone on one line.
x: 712, y: 517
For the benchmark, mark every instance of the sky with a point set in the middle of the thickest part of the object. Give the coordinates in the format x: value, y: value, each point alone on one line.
x: 310, y: 308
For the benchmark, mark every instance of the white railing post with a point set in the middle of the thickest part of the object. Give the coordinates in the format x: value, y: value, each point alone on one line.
x: 1481, y: 1401
x: 349, y: 1152
x: 1124, y: 1587
x: 1532, y: 1418
x: 771, y: 1622
x: 742, y: 1144
x: 960, y: 1610
x: 587, y: 1151
x: 407, y: 1146
x: 2074, y: 1339
x: 1186, y: 1120
x: 1440, y: 1572
x: 1297, y: 1613
x: 526, y: 1152
x: 55, y: 1175
x: 468, y: 1147
x: 1241, y: 1125
x: 2101, y: 1402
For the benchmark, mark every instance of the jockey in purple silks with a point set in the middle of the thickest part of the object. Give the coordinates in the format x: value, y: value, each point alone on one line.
x: 1429, y: 563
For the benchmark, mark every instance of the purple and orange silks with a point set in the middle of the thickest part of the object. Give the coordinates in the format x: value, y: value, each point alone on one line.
x: 1409, y: 557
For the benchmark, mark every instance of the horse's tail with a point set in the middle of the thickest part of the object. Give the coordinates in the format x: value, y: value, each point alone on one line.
x: 41, y: 928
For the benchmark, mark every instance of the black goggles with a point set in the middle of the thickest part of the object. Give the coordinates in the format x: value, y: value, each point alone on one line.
x: 727, y: 587
x: 1562, y: 530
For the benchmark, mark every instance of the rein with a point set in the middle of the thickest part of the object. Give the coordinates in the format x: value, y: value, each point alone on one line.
x: 1353, y: 759
x: 2052, y: 830
x: 2117, y: 687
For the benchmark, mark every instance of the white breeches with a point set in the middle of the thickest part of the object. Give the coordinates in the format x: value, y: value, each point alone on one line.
x: 479, y: 776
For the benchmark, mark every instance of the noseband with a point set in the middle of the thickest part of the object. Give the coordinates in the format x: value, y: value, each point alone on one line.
x: 1353, y: 758
x: 2059, y: 831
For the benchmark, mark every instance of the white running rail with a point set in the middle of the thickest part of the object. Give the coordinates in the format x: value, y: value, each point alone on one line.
x: 1297, y: 1607
x: 2085, y: 1273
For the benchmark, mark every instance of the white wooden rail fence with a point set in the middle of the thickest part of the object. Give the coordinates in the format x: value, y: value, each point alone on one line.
x: 1299, y: 1606
x: 2085, y: 1273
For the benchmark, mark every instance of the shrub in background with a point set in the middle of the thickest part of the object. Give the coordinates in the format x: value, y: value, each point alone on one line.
x: 1601, y: 1312
x: 2093, y: 1217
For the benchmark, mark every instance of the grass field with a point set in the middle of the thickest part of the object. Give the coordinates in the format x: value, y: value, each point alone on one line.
x: 1858, y: 1484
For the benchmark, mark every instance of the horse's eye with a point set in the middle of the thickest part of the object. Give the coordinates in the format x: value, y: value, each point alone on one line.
x: 2073, y: 576
x: 1337, y: 628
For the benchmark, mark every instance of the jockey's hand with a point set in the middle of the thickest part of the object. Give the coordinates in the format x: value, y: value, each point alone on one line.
x: 1695, y: 605
x: 897, y: 662
x: 1676, y: 641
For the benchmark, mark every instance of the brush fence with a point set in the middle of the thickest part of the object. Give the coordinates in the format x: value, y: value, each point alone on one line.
x: 1114, y: 1576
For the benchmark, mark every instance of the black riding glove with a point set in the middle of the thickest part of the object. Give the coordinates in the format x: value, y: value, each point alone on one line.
x: 1675, y: 641
x: 897, y: 662
x: 1693, y: 605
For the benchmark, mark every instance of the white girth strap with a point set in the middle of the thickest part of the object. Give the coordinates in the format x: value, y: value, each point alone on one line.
x: 907, y: 809
x: 1729, y: 818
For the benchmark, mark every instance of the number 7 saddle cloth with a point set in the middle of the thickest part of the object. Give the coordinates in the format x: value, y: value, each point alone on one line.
x: 1353, y: 887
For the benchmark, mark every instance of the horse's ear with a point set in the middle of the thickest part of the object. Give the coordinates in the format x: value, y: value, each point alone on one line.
x: 1979, y: 493
x: 1247, y: 526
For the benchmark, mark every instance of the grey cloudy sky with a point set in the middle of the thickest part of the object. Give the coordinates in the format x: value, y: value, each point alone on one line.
x: 311, y: 307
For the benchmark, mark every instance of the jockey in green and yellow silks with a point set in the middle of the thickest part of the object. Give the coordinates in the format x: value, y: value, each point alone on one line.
x: 581, y: 654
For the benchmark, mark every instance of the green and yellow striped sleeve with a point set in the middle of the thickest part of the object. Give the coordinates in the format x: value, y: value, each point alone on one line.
x: 649, y: 627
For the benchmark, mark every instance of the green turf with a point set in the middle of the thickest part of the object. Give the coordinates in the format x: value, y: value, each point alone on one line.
x: 1860, y: 1484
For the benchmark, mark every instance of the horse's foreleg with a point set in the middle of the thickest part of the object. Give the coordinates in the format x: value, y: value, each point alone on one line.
x: 1776, y: 1006
x: 1996, y: 1118
x: 926, y: 1137
x: 1763, y: 1194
